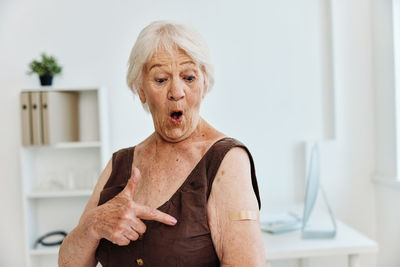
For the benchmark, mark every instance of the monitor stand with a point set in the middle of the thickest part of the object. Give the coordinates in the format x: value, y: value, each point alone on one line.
x: 307, y: 233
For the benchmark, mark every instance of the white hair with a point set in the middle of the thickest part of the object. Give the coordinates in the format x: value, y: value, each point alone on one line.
x: 167, y: 35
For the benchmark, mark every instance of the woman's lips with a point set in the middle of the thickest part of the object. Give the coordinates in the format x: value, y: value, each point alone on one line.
x: 176, y: 116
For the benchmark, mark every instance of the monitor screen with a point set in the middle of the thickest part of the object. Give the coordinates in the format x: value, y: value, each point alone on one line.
x: 312, y: 188
x: 312, y: 184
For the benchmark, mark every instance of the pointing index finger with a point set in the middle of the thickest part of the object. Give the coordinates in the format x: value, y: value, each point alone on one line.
x: 147, y: 213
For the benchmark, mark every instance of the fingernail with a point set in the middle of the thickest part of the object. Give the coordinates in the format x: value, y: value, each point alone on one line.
x: 173, y: 220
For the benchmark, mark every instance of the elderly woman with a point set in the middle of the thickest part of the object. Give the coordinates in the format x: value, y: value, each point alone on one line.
x: 185, y: 196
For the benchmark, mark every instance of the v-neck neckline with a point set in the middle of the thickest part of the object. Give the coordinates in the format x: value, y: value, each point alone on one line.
x: 188, y: 178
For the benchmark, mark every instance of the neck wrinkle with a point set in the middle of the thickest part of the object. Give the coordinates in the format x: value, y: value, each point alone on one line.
x: 197, y: 135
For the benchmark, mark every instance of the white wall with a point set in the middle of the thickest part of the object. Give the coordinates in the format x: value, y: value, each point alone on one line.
x: 270, y: 63
x: 388, y: 196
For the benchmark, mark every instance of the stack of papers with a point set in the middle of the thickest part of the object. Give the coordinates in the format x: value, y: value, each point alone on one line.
x: 281, y: 223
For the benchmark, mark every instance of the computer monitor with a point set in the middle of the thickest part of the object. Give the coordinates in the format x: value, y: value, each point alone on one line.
x: 311, y: 193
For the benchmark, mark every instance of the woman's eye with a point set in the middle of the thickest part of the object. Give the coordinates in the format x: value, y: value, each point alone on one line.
x: 160, y: 80
x: 190, y: 78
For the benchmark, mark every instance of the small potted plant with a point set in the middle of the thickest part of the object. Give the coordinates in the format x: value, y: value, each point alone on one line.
x: 46, y: 69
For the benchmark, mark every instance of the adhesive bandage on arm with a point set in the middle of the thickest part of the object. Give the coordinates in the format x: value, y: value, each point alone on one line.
x: 243, y: 215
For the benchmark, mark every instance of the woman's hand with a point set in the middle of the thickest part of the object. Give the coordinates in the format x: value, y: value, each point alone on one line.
x: 119, y: 219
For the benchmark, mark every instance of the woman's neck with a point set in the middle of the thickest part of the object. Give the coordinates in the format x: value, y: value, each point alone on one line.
x: 200, y: 134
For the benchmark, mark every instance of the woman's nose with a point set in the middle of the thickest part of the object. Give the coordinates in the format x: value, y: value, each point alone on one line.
x: 177, y: 91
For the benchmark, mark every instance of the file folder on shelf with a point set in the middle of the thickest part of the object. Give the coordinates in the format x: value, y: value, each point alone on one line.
x: 36, y: 118
x: 60, y: 117
x: 26, y: 126
x: 49, y: 117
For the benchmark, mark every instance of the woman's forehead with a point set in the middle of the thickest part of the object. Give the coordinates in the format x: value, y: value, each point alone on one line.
x: 164, y: 57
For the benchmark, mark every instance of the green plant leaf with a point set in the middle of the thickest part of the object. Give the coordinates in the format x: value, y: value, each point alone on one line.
x: 47, y: 66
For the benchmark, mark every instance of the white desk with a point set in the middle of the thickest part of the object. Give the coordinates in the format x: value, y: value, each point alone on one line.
x: 290, y: 245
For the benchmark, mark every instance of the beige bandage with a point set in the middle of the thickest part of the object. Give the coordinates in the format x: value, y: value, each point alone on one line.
x: 243, y: 215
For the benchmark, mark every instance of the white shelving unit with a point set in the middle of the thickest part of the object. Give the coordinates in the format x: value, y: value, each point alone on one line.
x: 58, y: 179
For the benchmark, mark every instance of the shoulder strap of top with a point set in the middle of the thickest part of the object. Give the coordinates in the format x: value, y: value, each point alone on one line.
x: 219, y: 150
x: 121, y: 167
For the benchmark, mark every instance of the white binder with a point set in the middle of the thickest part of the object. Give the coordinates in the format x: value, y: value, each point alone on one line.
x: 26, y: 126
x: 60, y: 117
x: 36, y: 118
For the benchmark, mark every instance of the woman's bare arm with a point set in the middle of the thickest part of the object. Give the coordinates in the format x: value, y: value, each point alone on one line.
x: 79, y: 247
x: 237, y: 242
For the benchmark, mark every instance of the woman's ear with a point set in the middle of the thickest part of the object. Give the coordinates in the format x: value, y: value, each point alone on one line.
x: 204, y: 91
x: 142, y: 96
x: 205, y: 85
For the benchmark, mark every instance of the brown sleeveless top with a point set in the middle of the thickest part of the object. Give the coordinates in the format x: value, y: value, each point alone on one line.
x: 189, y: 242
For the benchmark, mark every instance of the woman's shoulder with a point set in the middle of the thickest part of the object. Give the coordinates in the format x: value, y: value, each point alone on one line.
x: 122, y: 152
x: 124, y: 149
x: 220, y: 143
x: 229, y: 158
x: 227, y: 143
x: 228, y: 150
x: 220, y: 139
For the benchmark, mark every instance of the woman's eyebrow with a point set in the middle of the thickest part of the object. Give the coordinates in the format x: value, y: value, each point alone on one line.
x: 187, y: 62
x: 155, y: 65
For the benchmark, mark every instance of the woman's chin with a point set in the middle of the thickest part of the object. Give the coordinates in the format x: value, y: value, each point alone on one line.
x: 174, y: 136
x: 175, y: 132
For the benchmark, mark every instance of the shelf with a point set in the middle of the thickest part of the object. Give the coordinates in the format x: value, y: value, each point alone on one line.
x: 62, y: 145
x: 58, y: 177
x: 55, y: 88
x: 77, y: 144
x: 44, y: 251
x: 60, y: 194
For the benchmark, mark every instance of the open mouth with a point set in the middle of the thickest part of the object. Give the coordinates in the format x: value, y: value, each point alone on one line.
x: 176, y: 115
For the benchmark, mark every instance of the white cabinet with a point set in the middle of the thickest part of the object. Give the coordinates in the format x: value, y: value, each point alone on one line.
x: 58, y: 179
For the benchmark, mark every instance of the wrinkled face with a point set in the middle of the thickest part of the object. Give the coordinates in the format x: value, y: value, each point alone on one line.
x: 173, y: 87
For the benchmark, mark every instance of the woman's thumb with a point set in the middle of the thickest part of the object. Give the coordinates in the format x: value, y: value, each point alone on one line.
x: 133, y: 182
